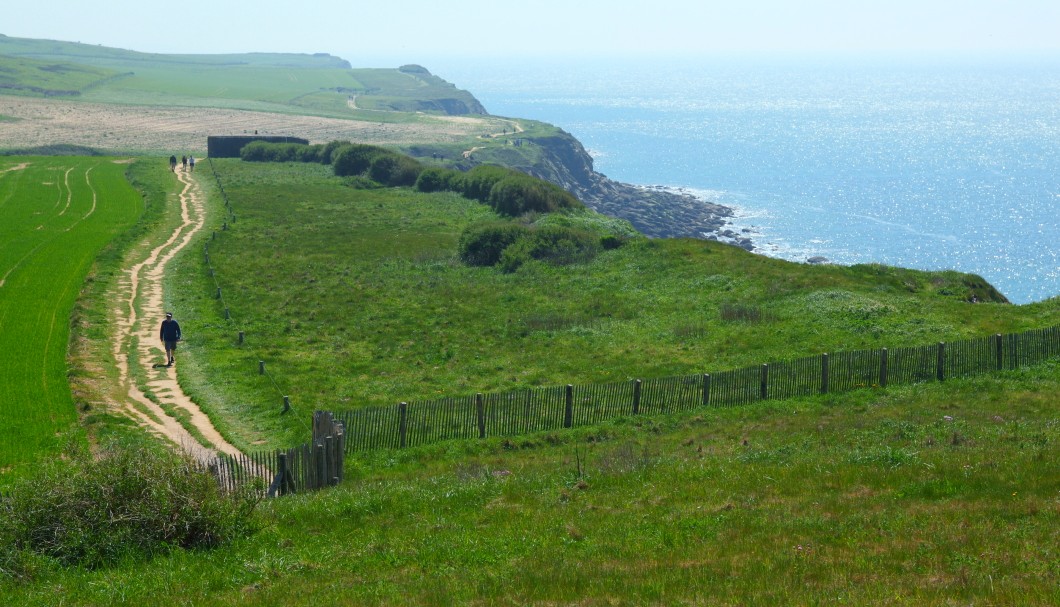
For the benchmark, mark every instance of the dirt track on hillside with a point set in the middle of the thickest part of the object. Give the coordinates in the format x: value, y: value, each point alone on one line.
x: 127, y: 128
x: 138, y: 351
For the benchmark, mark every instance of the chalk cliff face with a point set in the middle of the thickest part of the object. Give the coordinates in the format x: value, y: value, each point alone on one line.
x: 653, y: 211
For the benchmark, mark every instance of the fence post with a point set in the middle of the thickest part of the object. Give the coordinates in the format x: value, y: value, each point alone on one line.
x: 321, y: 467
x: 636, y: 396
x: 763, y: 388
x: 218, y: 292
x: 286, y: 404
x: 940, y: 362
x: 568, y: 408
x: 227, y: 315
x: 241, y: 336
x: 883, y: 368
x: 1000, y: 341
x: 480, y: 413
x: 284, y: 483
x: 403, y: 424
x: 824, y: 373
x: 261, y: 366
x: 706, y: 389
x: 329, y: 451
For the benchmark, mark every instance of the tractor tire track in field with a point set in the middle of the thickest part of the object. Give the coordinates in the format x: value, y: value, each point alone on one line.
x: 136, y: 342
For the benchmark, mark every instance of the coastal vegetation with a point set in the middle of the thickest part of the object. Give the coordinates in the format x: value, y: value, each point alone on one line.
x: 358, y: 276
x: 356, y: 297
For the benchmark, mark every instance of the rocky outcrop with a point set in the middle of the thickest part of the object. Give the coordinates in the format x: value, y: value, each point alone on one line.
x: 654, y: 211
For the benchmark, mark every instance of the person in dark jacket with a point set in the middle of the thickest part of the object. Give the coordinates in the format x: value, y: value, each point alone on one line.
x: 170, y: 335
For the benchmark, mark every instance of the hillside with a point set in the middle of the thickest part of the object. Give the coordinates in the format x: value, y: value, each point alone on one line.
x: 930, y: 494
x: 358, y: 297
x: 315, y: 96
x: 318, y: 84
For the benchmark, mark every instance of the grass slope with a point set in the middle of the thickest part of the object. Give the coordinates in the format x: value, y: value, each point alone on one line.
x: 938, y: 494
x: 21, y: 76
x: 58, y: 213
x: 356, y: 297
x: 318, y: 84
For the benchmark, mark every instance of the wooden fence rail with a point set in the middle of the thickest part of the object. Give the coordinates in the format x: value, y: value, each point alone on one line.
x: 550, y: 408
x: 319, y: 463
x: 308, y: 467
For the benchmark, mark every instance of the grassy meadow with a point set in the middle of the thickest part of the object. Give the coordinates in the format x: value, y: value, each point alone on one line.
x: 58, y: 214
x: 318, y: 85
x: 358, y: 297
x: 935, y: 494
x: 931, y: 494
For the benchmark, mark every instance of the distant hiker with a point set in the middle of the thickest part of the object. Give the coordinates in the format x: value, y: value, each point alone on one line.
x: 191, y: 162
x: 184, y: 163
x: 173, y: 164
x: 170, y: 335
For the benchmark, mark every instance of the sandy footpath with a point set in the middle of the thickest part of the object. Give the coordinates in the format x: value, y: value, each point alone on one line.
x: 137, y: 316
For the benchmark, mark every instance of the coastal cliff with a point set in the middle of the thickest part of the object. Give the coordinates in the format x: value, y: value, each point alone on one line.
x: 558, y: 157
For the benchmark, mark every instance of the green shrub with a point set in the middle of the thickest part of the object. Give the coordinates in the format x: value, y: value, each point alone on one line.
x: 517, y: 194
x: 355, y: 159
x: 123, y: 504
x: 435, y: 179
x: 483, y: 244
x: 255, y: 151
x: 395, y: 170
x: 328, y: 152
x: 264, y: 151
x: 479, y: 181
x: 307, y: 153
x: 551, y: 244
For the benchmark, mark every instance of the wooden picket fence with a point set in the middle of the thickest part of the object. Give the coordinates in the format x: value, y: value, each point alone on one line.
x: 307, y: 467
x: 551, y: 408
x: 319, y: 463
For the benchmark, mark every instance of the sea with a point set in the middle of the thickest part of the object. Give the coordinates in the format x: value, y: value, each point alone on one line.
x: 929, y: 163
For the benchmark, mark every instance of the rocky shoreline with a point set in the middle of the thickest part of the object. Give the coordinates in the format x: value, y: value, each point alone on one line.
x: 656, y: 211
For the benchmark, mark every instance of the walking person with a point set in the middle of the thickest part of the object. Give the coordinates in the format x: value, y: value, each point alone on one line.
x: 172, y: 164
x: 191, y: 162
x: 170, y: 335
x: 183, y: 163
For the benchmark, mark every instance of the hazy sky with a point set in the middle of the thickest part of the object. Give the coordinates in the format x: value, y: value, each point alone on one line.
x: 416, y: 30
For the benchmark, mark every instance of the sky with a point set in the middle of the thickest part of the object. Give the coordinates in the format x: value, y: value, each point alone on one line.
x: 416, y: 30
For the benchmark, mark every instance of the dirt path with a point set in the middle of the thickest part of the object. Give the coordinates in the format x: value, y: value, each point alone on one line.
x: 135, y: 342
x: 516, y: 129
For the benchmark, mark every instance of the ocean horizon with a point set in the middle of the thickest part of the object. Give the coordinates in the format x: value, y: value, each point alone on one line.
x: 947, y: 163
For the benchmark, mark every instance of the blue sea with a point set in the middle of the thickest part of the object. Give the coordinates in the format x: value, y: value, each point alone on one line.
x: 932, y: 164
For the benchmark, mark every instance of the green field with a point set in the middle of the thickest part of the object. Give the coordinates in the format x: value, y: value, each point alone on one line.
x: 941, y: 494
x: 932, y: 494
x: 357, y: 297
x: 58, y: 213
x: 284, y: 83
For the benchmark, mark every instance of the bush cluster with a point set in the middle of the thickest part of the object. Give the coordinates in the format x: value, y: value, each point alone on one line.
x: 263, y: 151
x: 92, y: 512
x: 509, y: 245
x: 507, y: 191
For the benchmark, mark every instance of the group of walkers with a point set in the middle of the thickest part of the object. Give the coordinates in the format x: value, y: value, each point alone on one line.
x: 186, y: 162
x: 169, y: 332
